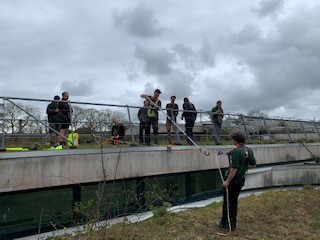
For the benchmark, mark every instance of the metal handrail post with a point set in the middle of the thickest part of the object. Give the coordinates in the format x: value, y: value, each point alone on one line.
x: 71, y: 123
x: 287, y: 130
x: 304, y: 131
x: 267, y: 129
x: 133, y: 142
x: 245, y: 129
x: 315, y: 125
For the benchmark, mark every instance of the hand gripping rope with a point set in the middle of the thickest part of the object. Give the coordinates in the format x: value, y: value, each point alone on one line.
x: 206, y: 153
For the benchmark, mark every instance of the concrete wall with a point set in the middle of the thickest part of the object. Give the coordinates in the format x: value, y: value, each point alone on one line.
x: 295, y: 174
x: 39, y: 169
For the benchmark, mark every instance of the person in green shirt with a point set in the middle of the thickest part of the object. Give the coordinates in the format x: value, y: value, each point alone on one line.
x: 217, y: 116
x: 240, y: 159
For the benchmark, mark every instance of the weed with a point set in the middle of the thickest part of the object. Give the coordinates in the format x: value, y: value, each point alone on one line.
x: 160, y: 211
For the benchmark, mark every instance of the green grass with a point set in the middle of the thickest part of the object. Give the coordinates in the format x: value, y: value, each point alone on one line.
x: 290, y: 214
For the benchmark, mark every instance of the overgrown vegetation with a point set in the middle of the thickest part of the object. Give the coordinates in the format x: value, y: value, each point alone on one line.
x: 290, y: 214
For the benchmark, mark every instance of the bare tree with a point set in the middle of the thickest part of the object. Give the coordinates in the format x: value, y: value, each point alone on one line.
x: 18, y: 121
x: 12, y: 115
x: 32, y: 123
x: 78, y: 117
x: 106, y: 116
x: 91, y: 119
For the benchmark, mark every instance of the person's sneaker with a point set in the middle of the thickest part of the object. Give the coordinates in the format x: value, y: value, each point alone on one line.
x: 226, y: 226
x: 221, y: 225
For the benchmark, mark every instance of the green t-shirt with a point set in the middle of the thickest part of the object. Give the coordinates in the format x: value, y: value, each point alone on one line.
x: 217, y: 117
x: 240, y: 157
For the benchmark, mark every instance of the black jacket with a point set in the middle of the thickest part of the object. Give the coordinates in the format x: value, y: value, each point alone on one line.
x: 53, y: 116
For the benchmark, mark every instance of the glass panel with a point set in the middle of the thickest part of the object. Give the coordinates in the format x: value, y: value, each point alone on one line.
x: 23, y: 211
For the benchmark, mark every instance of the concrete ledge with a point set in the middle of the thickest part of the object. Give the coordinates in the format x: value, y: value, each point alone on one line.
x: 40, y: 169
x: 294, y: 174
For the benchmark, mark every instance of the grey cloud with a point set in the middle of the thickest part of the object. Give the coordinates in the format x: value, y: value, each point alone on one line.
x: 177, y: 83
x: 131, y: 71
x: 139, y: 22
x: 284, y: 62
x: 156, y: 62
x: 269, y: 7
x: 250, y: 33
x: 184, y: 52
x: 188, y: 58
x: 207, y: 54
x: 77, y: 88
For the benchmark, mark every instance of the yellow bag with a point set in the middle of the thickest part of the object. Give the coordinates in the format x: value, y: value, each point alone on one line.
x: 73, y: 140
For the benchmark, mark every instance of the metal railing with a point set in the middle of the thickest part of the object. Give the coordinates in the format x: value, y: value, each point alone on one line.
x: 256, y: 128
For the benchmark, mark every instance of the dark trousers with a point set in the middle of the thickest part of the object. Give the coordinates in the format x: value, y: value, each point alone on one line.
x: 216, y: 131
x: 234, y: 190
x: 189, y: 129
x: 142, y: 129
x: 154, y: 122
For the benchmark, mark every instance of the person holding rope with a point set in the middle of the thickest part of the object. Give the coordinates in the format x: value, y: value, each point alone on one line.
x: 153, y: 115
x: 240, y: 159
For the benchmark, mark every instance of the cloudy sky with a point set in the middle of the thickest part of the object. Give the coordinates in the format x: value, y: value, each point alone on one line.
x: 253, y: 55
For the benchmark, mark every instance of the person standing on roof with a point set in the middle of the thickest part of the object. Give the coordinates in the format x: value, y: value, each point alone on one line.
x: 143, y: 118
x: 153, y: 115
x: 190, y: 115
x: 172, y: 113
x: 217, y: 116
x: 65, y: 109
x: 53, y: 113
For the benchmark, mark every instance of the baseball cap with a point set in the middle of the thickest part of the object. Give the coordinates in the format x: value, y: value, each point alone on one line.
x: 56, y: 97
x: 157, y: 90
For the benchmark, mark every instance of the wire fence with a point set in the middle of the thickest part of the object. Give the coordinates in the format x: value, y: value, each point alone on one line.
x: 24, y: 121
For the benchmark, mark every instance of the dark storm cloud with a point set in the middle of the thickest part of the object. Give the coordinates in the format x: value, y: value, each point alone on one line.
x: 156, y: 61
x: 138, y: 22
x: 269, y: 7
